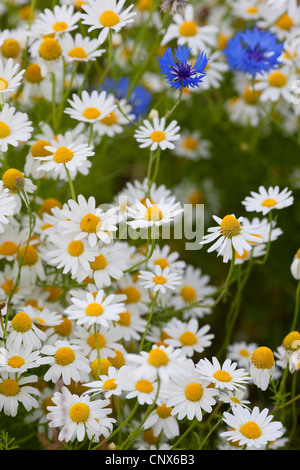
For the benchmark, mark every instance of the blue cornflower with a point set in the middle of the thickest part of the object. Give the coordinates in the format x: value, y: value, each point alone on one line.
x: 253, y: 52
x: 180, y: 73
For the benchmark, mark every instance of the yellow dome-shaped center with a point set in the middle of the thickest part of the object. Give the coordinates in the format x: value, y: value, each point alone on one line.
x: 109, y: 18
x: 193, y: 391
x: 188, y: 28
x: 262, y: 358
x: 251, y: 430
x: 230, y: 226
x: 64, y: 356
x: 79, y: 412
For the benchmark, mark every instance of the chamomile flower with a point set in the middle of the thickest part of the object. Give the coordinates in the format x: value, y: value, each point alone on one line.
x: 86, y: 222
x: 231, y: 233
x: 69, y: 254
x: 71, y: 157
x: 18, y: 359
x: 188, y: 336
x: 240, y: 352
x: 96, y: 309
x: 266, y: 200
x: 160, y: 280
x: 275, y: 85
x: 136, y: 296
x: 162, y: 421
x: 48, y: 55
x: 226, y: 376
x: 262, y: 364
x: 115, y: 122
x: 251, y: 428
x: 163, y: 256
x: 10, y: 78
x: 157, y: 214
x: 107, y: 16
x: 79, y: 416
x: 108, y: 384
x: 156, y: 134
x: 234, y: 398
x: 188, y: 394
x: 15, y: 127
x: 289, y: 347
x: 23, y: 331
x: 80, y: 48
x: 106, y: 341
x: 58, y: 21
x: 90, y: 107
x: 136, y: 386
x: 15, y: 391
x: 66, y: 361
x: 131, y: 326
x: 190, y: 145
x: 7, y: 208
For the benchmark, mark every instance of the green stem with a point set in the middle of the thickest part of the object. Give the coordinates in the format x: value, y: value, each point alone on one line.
x: 169, y: 113
x: 296, y: 311
x: 70, y: 184
x: 148, y: 322
x: 183, y: 436
x: 144, y: 260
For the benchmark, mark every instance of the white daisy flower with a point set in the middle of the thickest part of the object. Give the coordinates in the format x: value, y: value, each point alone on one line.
x: 85, y: 221
x: 66, y: 362
x: 155, y: 134
x: 48, y: 54
x: 231, y: 233
x: 131, y: 325
x: 59, y: 20
x: 160, y: 280
x: 70, y: 254
x: 186, y: 30
x: 15, y: 391
x: 90, y: 107
x: 96, y: 309
x: 191, y: 145
x: 10, y: 80
x: 188, y: 336
x: 162, y: 421
x: 251, y: 428
x: 275, y: 85
x: 137, y: 297
x: 227, y: 376
x: 79, y: 416
x: 106, y: 16
x: 240, y: 352
x: 35, y: 85
x: 23, y: 331
x: 136, y: 386
x: 189, y: 394
x: 18, y: 359
x: 72, y: 157
x: 108, y: 384
x: 234, y: 398
x: 267, y: 199
x: 262, y: 364
x: 80, y: 48
x: 163, y: 256
x: 149, y: 214
x: 247, y: 9
x: 14, y: 127
x: 106, y: 340
x: 115, y: 121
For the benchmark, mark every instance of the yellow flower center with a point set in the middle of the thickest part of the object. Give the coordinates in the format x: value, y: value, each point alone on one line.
x: 157, y: 136
x: 269, y: 202
x: 78, y: 53
x: 48, y: 205
x: 63, y: 155
x: 89, y: 223
x: 188, y: 28
x: 98, y: 263
x: 252, y: 10
x: 190, y: 143
x: 153, y: 214
x: 7, y: 286
x: 244, y: 255
x: 158, y: 358
x: 109, y: 384
x: 188, y: 338
x: 9, y: 388
x: 164, y: 411
x: 64, y: 328
x: 16, y: 362
x: 30, y: 255
x: 262, y: 358
x: 132, y: 293
x: 159, y: 280
x: 59, y: 26
x: 250, y: 96
x: 64, y: 356
x: 291, y: 342
x: 196, y: 197
x: 4, y: 130
x: 244, y: 353
x: 277, y: 79
x: 230, y: 226
x: 285, y: 22
x: 8, y: 248
x: 125, y: 319
x: 10, y: 48
x: 79, y: 3
x: 75, y: 248
x: 38, y: 149
x: 188, y: 293
x: 222, y: 41
x: 79, y: 412
x: 3, y: 84
x: 251, y: 430
x: 54, y: 292
x: 110, y: 119
x: 104, y: 366
x: 11, y: 176
x: 21, y: 322
x: 50, y: 49
x: 94, y: 310
x: 235, y: 400
x: 101, y: 341
x: 144, y: 5
x: 33, y: 74
x: 162, y: 262
x: 118, y: 360
x: 45, y: 403
x: 149, y: 437
x: 91, y: 113
x: 193, y: 391
x: 109, y: 18
x: 144, y: 386
x: 222, y: 376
